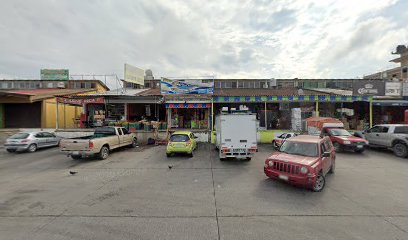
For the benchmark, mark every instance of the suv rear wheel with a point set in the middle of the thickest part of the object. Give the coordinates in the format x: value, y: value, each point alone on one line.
x: 400, y: 150
x: 319, y: 184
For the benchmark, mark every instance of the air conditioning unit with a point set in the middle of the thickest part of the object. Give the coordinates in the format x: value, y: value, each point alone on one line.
x: 272, y: 82
x: 61, y: 85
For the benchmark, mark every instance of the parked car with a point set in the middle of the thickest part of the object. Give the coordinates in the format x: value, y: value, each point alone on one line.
x: 104, y: 140
x: 392, y: 136
x: 30, y: 141
x: 277, y: 141
x: 303, y: 161
x: 181, y: 142
x: 343, y: 140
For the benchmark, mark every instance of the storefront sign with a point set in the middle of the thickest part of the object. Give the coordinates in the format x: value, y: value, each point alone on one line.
x: 76, y: 101
x: 54, y: 74
x: 188, y: 105
x: 368, y: 88
x: 239, y: 99
x: 188, y: 86
x: 393, y: 89
x: 134, y: 74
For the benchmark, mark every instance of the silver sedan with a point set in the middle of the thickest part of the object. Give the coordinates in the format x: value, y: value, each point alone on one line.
x: 30, y: 141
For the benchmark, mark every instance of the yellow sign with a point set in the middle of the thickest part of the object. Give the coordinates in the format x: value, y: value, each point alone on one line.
x: 134, y: 74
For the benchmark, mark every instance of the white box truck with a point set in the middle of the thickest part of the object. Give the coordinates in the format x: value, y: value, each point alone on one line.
x: 236, y: 135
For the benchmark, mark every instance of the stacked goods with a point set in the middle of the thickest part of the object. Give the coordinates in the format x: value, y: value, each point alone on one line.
x: 296, y: 119
x: 314, y: 125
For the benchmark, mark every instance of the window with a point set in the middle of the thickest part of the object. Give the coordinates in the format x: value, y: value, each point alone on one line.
x: 88, y: 85
x: 240, y: 84
x: 327, y: 145
x: 77, y: 85
x: 375, y: 129
x: 234, y: 84
x: 256, y: 84
x: 93, y: 85
x: 384, y: 129
x: 179, y: 138
x: 125, y: 131
x: 48, y: 135
x: 217, y: 84
x: 227, y: 84
x: 401, y: 130
x: 39, y: 135
x: 82, y: 85
x: 247, y: 84
x: 120, y: 131
x: 323, y: 148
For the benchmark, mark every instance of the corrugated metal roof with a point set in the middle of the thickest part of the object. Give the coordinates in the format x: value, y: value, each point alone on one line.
x: 253, y: 92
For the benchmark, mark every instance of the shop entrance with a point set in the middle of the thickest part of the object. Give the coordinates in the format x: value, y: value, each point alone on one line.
x: 189, y: 118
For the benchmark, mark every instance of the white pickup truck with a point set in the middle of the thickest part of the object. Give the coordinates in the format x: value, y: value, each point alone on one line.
x: 99, y: 144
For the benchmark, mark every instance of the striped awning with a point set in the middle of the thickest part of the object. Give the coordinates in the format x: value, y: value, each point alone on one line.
x: 188, y: 105
x: 219, y: 99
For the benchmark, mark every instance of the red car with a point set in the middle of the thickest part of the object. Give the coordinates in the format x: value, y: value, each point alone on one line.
x: 343, y: 140
x: 303, y: 161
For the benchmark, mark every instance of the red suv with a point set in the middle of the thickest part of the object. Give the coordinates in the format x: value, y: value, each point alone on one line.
x: 303, y: 161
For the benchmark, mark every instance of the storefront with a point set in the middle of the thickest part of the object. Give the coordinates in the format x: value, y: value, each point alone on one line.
x: 389, y: 111
x: 189, y: 115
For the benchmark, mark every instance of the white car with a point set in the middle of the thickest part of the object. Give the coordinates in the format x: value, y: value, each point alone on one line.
x: 277, y: 141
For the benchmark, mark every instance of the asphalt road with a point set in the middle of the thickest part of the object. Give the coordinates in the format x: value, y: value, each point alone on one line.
x: 134, y: 195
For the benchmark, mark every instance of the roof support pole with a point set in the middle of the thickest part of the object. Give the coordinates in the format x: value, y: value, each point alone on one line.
x: 56, y: 116
x: 212, y: 116
x: 266, y: 118
x: 317, y: 108
x: 371, y: 112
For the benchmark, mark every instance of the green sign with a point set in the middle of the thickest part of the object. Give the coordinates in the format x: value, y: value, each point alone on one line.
x: 54, y: 74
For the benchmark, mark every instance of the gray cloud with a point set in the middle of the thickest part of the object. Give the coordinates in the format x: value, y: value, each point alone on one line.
x: 226, y: 38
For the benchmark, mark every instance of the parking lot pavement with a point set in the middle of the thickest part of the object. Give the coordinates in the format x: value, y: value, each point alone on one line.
x: 141, y: 194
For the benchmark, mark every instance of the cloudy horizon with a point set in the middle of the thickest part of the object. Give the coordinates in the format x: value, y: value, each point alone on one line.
x: 225, y: 39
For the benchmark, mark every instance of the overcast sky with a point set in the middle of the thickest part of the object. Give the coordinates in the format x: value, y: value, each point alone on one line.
x: 242, y: 39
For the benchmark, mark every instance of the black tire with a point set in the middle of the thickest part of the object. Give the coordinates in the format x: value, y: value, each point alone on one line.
x: 11, y: 150
x: 333, y: 167
x: 32, y: 148
x: 400, y: 150
x: 318, y: 186
x: 274, y: 145
x: 134, y: 143
x: 190, y: 154
x: 76, y: 157
x: 223, y: 159
x: 168, y: 155
x: 248, y: 159
x: 104, y: 153
x: 337, y: 147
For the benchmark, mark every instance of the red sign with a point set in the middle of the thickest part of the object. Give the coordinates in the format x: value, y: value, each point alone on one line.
x: 78, y: 101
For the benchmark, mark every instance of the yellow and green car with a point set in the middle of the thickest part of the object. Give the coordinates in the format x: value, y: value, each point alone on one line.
x: 181, y: 142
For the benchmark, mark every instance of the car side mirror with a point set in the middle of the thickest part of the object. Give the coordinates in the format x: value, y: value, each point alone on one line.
x: 326, y: 154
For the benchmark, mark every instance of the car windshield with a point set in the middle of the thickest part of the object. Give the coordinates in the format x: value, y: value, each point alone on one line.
x: 20, y: 136
x: 179, y: 138
x: 339, y: 132
x: 299, y: 148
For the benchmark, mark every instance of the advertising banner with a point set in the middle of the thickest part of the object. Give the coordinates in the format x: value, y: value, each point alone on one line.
x: 393, y: 89
x: 80, y: 102
x: 186, y: 86
x: 54, y: 74
x: 368, y: 88
x: 134, y: 74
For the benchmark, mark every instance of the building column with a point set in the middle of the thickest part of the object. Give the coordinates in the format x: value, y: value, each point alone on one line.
x: 212, y: 116
x: 126, y: 111
x: 56, y: 116
x: 266, y: 118
x: 317, y: 108
x: 371, y: 112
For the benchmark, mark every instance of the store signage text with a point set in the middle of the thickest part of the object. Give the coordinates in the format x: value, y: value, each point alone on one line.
x: 75, y: 101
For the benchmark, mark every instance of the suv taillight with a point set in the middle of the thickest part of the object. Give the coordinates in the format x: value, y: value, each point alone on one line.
x: 91, y: 145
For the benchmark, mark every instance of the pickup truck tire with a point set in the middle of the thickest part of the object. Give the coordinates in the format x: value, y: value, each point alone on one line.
x: 318, y: 186
x: 76, y: 157
x: 275, y: 146
x: 134, y: 143
x: 400, y: 150
x: 248, y: 159
x: 104, y: 153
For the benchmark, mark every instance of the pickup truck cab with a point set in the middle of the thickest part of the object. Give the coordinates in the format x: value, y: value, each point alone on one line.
x: 343, y: 140
x: 392, y: 136
x: 99, y: 144
x: 303, y: 161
